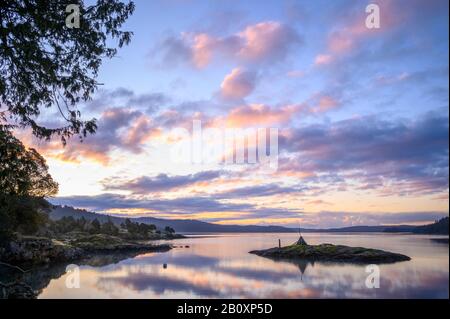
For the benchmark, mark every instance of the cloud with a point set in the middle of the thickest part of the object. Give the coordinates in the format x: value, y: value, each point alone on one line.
x: 263, y: 115
x: 406, y: 157
x: 138, y: 133
x: 123, y: 97
x: 259, y: 115
x: 295, y: 74
x: 238, y: 84
x: 323, y: 103
x: 161, y: 182
x: 259, y: 191
x: 268, y: 41
x: 349, y: 33
x: 403, y: 24
x: 323, y: 59
x: 121, y: 128
x: 187, y: 205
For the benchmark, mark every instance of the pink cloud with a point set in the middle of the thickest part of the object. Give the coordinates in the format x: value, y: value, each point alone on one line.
x: 119, y: 128
x: 140, y: 132
x: 347, y: 35
x: 295, y: 74
x: 258, y: 43
x: 324, y: 103
x: 323, y: 59
x: 266, y: 40
x: 238, y: 84
x: 202, y: 49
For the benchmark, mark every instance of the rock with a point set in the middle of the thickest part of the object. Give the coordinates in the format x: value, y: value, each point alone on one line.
x: 100, y: 243
x: 37, y: 250
x: 42, y: 259
x: 30, y: 250
x: 17, y: 290
x: 332, y: 253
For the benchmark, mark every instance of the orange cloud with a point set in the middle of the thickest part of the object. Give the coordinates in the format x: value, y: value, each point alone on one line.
x: 259, y: 114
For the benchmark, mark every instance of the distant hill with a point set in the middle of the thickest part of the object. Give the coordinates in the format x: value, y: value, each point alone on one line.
x: 59, y: 212
x: 438, y: 228
x: 180, y: 225
x: 196, y: 226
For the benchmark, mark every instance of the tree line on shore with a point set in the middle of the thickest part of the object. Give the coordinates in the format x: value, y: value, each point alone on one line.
x: 128, y: 229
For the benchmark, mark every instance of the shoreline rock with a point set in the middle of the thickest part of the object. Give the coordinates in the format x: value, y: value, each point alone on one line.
x: 332, y: 253
x: 28, y: 250
x: 29, y: 263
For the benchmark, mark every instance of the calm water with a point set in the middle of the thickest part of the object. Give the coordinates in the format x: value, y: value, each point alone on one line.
x: 219, y: 266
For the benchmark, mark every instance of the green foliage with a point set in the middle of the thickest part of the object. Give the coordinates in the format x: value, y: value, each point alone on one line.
x: 69, y: 224
x: 109, y: 228
x: 44, y: 63
x: 138, y: 229
x: 95, y: 226
x: 23, y: 172
x: 24, y: 184
x: 169, y: 230
x: 23, y: 214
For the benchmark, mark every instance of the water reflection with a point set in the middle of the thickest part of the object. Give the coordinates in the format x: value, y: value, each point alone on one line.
x: 220, y: 267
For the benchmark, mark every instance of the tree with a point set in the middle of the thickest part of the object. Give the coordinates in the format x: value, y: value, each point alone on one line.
x: 95, y: 226
x: 46, y: 64
x: 132, y: 228
x: 169, y: 230
x: 82, y: 222
x: 109, y: 228
x: 23, y: 172
x: 24, y: 184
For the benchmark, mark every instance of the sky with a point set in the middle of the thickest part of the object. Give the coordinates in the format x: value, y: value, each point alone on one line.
x: 361, y: 115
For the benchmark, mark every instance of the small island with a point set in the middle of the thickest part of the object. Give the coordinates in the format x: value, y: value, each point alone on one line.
x: 331, y: 253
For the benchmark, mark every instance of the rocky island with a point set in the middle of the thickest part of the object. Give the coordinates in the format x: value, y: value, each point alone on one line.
x: 331, y: 253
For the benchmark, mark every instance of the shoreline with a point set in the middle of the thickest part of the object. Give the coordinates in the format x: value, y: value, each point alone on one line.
x: 29, y: 263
